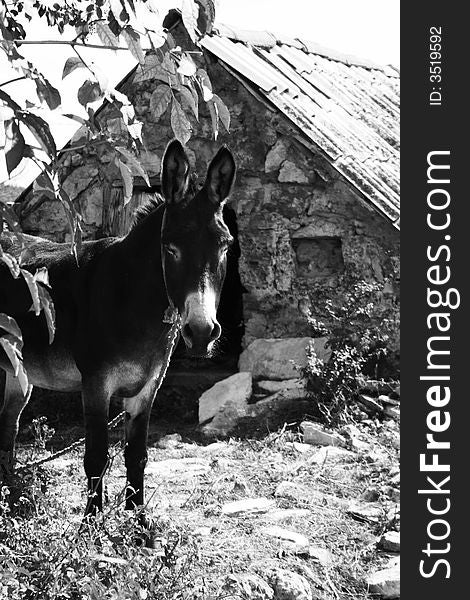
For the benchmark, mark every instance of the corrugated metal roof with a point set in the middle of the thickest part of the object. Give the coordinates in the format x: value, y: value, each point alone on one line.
x: 348, y: 107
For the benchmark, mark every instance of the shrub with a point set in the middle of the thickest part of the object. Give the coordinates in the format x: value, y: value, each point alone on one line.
x: 359, y: 328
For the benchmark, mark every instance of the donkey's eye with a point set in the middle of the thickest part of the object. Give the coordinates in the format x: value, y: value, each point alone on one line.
x: 171, y: 250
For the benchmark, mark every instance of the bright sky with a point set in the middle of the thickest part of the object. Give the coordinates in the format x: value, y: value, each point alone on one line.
x: 366, y: 28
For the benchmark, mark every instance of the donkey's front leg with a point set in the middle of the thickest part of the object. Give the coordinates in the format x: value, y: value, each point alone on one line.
x: 95, y: 410
x: 135, y: 453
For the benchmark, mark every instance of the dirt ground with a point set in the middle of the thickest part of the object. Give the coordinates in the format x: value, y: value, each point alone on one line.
x: 316, y: 512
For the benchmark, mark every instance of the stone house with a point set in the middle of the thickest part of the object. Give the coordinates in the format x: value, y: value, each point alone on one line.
x: 315, y: 134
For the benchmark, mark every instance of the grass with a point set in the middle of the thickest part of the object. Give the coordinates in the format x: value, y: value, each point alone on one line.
x: 46, y: 553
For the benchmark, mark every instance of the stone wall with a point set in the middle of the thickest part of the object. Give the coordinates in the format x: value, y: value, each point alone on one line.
x: 301, y: 225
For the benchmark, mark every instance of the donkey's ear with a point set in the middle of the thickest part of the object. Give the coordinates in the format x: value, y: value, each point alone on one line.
x: 220, y: 176
x: 175, y: 173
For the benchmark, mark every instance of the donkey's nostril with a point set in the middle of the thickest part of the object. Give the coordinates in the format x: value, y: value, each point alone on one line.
x: 216, y: 330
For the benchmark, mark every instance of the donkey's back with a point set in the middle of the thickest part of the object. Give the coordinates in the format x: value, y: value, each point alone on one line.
x: 50, y: 366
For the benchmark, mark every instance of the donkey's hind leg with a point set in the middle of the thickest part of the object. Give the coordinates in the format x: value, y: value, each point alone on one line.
x: 13, y: 405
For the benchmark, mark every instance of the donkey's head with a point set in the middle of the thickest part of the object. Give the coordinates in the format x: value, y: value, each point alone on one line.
x: 195, y: 241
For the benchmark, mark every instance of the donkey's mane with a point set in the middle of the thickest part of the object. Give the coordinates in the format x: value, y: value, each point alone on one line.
x: 157, y: 200
x: 151, y: 205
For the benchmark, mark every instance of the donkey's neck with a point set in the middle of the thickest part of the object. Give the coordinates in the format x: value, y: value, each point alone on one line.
x: 145, y: 236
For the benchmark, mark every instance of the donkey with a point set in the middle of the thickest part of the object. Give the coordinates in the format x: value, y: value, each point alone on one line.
x: 110, y: 307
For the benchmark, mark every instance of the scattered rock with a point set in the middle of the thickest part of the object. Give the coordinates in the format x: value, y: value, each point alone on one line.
x: 280, y: 402
x: 169, y: 441
x: 247, y: 506
x: 315, y: 434
x: 286, y: 514
x: 247, y: 586
x: 288, y: 585
x: 297, y: 543
x: 390, y: 541
x: 300, y: 493
x: 299, y: 447
x: 395, y: 480
x: 392, y: 412
x: 392, y: 493
x: 294, y: 491
x: 388, y: 400
x: 370, y: 513
x: 178, y: 468
x: 371, y: 495
x: 202, y: 531
x: 230, y: 394
x: 322, y: 555
x: 355, y: 438
x: 329, y: 453
x: 276, y: 386
x: 386, y: 582
x: 216, y: 449
x: 275, y: 358
x: 370, y: 405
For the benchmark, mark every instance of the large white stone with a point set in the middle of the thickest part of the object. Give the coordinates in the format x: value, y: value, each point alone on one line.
x: 315, y: 434
x: 247, y: 506
x: 386, y: 582
x: 275, y: 358
x: 229, y: 396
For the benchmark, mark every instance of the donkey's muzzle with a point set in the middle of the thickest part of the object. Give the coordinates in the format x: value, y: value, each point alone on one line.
x: 200, y: 336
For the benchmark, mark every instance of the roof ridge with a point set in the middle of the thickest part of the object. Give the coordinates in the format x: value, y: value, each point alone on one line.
x: 269, y: 39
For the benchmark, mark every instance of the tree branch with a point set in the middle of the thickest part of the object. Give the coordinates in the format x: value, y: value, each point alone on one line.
x: 68, y: 43
x: 12, y: 80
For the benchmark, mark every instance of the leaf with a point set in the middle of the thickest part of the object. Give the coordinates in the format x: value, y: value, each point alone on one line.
x: 33, y: 290
x: 179, y: 122
x: 14, y: 145
x: 214, y: 113
x: 35, y: 124
x: 152, y: 69
x: 134, y: 162
x: 10, y: 261
x: 168, y: 63
x: 74, y: 220
x: 71, y: 64
x: 13, y: 351
x: 89, y: 92
x: 106, y: 35
x: 157, y: 38
x: 133, y: 43
x: 127, y: 180
x: 187, y: 66
x: 205, y: 83
x: 190, y: 13
x: 222, y: 112
x: 159, y: 100
x: 47, y: 306
x: 40, y: 129
x: 48, y: 93
x: 188, y: 101
x: 10, y: 217
x: 11, y: 326
x: 42, y: 276
x: 80, y: 120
